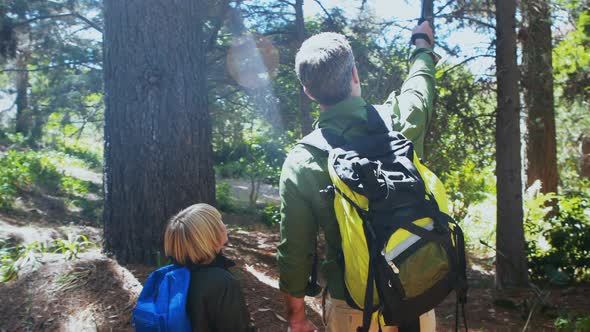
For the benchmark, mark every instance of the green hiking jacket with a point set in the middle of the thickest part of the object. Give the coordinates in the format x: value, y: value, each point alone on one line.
x: 304, y: 210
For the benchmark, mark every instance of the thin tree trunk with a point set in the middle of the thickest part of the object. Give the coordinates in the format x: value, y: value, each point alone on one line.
x: 24, y: 118
x: 538, y: 83
x: 428, y: 11
x: 511, y: 263
x: 158, y: 155
x: 304, y: 101
x: 585, y: 163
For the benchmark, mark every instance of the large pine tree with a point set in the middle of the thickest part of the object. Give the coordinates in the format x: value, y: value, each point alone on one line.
x: 538, y: 83
x: 158, y: 155
x: 511, y: 263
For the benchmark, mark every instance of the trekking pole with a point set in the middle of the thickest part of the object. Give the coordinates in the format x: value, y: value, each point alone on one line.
x: 426, y: 14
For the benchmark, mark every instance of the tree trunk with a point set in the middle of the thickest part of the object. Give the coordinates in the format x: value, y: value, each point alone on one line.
x: 511, y: 264
x: 24, y: 118
x: 428, y: 11
x: 585, y: 164
x: 538, y: 82
x: 304, y: 101
x: 158, y: 154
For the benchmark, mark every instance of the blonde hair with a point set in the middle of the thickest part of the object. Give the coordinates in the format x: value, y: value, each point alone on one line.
x: 194, y: 234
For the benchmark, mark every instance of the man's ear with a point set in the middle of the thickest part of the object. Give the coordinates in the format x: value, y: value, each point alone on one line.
x: 308, y: 94
x: 355, y: 75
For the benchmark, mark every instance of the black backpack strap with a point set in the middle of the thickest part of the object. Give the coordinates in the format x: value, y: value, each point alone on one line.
x: 323, y: 140
x: 378, y: 121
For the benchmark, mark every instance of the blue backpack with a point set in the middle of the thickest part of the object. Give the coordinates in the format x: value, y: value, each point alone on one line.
x: 161, y: 305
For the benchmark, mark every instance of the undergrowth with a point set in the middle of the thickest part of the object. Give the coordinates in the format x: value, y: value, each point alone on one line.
x: 14, y: 257
x: 37, y: 171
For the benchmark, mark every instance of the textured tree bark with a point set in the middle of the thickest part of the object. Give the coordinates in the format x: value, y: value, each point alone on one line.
x: 585, y: 162
x: 511, y: 263
x: 24, y: 116
x: 538, y: 82
x: 304, y: 101
x: 428, y: 11
x: 158, y: 155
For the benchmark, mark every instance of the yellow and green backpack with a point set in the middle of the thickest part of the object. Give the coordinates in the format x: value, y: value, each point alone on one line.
x: 402, y: 252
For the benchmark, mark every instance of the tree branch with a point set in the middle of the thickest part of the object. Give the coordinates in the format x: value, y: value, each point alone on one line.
x: 329, y: 16
x: 465, y: 61
x: 470, y: 19
x: 87, y: 21
x: 72, y: 14
x: 81, y: 63
x: 43, y: 17
x: 217, y: 26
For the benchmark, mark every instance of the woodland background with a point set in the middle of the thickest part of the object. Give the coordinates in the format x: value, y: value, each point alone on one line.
x: 114, y: 115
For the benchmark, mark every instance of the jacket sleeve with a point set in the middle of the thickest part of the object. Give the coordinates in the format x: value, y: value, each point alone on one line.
x: 298, y: 227
x: 412, y: 108
x: 229, y: 311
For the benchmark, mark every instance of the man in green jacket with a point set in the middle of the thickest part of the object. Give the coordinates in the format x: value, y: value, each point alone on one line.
x: 325, y: 66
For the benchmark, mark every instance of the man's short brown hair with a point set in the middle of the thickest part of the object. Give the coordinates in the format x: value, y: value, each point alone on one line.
x: 324, y: 67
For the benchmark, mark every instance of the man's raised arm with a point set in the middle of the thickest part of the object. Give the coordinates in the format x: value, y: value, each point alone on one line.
x: 412, y: 108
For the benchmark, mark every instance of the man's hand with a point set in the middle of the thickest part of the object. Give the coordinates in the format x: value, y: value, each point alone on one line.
x: 305, y: 326
x: 425, y: 29
x: 296, y: 315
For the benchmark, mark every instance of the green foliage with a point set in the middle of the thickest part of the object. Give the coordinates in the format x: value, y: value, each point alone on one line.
x: 19, y: 170
x: 271, y: 214
x: 27, y: 170
x: 571, y: 56
x: 14, y: 257
x: 91, y: 158
x: 223, y: 197
x: 232, y: 169
x: 479, y: 226
x: 577, y: 323
x: 463, y: 124
x: 72, y: 246
x: 559, y: 246
x: 468, y: 185
x: 73, y: 186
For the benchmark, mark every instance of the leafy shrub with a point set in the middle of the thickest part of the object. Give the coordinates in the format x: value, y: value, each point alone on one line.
x: 573, y: 323
x: 27, y: 169
x: 22, y: 169
x: 479, y: 226
x: 467, y: 186
x: 271, y: 214
x: 559, y: 247
x: 91, y: 158
x: 232, y: 169
x: 72, y: 246
x: 73, y: 186
x: 223, y: 197
x: 14, y: 257
x: 91, y: 209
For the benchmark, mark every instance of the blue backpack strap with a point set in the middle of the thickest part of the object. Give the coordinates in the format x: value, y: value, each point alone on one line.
x: 176, y: 287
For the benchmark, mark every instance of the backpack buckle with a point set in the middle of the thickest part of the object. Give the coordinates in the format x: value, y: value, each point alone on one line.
x: 328, y: 193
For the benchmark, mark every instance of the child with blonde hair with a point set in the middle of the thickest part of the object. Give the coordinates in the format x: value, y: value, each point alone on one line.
x: 194, y: 238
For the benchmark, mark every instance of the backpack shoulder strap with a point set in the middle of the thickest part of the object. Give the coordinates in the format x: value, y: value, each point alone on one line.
x: 323, y: 140
x: 378, y: 120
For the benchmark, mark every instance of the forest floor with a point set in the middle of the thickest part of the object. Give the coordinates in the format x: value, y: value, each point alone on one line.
x: 94, y: 293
